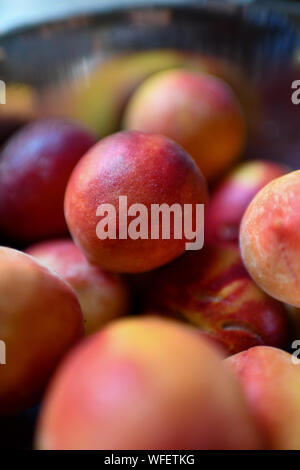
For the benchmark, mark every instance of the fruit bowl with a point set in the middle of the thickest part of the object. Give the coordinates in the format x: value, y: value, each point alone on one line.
x: 100, y: 65
x: 74, y: 38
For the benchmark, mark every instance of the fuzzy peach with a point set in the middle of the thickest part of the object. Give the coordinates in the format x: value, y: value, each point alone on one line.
x: 198, y: 111
x: 102, y: 295
x: 270, y: 238
x: 212, y: 290
x: 271, y: 383
x: 40, y: 319
x: 145, y: 383
x: 230, y: 199
x: 35, y: 166
x: 147, y: 169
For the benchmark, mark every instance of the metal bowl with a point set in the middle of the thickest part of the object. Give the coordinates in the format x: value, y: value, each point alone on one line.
x: 50, y: 47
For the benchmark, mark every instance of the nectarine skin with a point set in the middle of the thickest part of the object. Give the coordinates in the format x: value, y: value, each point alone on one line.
x: 145, y: 383
x: 271, y: 382
x: 231, y: 198
x: 198, y: 111
x: 270, y: 238
x: 146, y: 168
x: 35, y: 166
x: 212, y: 290
x: 40, y: 319
x: 103, y: 296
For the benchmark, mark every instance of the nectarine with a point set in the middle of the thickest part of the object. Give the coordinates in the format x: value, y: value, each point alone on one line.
x: 35, y: 166
x: 271, y: 383
x: 145, y: 383
x: 146, y: 169
x: 40, y: 319
x: 198, y: 111
x: 270, y: 238
x: 102, y: 295
x: 212, y: 290
x: 232, y: 196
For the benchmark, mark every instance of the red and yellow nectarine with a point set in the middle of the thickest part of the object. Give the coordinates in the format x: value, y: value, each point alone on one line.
x: 270, y: 238
x: 145, y: 383
x: 40, y: 319
x: 145, y: 168
x: 198, y: 111
x: 271, y: 383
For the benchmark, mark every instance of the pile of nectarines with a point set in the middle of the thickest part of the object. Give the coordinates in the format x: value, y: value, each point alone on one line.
x: 145, y: 212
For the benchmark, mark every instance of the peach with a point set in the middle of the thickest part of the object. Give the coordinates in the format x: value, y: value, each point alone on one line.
x: 147, y: 169
x: 212, y: 290
x: 40, y: 319
x: 270, y: 238
x: 271, y: 383
x: 232, y: 196
x: 102, y: 295
x: 34, y: 170
x: 198, y: 111
x: 145, y: 383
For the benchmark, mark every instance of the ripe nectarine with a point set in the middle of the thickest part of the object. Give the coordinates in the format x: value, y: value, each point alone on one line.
x: 102, y: 295
x: 145, y: 383
x: 146, y: 169
x: 40, y: 319
x: 35, y: 166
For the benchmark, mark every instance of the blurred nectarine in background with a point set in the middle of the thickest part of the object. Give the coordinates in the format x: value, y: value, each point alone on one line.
x: 40, y: 319
x: 102, y: 295
x: 145, y: 383
x: 198, y: 111
x: 271, y: 383
x: 98, y: 97
x: 212, y: 290
x: 20, y: 108
x: 35, y: 166
x: 230, y: 199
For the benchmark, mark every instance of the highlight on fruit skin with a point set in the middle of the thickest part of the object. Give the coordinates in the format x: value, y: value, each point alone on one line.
x: 148, y: 169
x: 40, y: 320
x: 231, y: 197
x: 151, y: 371
x: 270, y: 238
x: 211, y: 290
x: 198, y: 111
x: 103, y: 296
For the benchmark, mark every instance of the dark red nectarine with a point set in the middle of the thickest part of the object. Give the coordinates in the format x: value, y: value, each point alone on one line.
x: 35, y: 166
x: 230, y: 199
